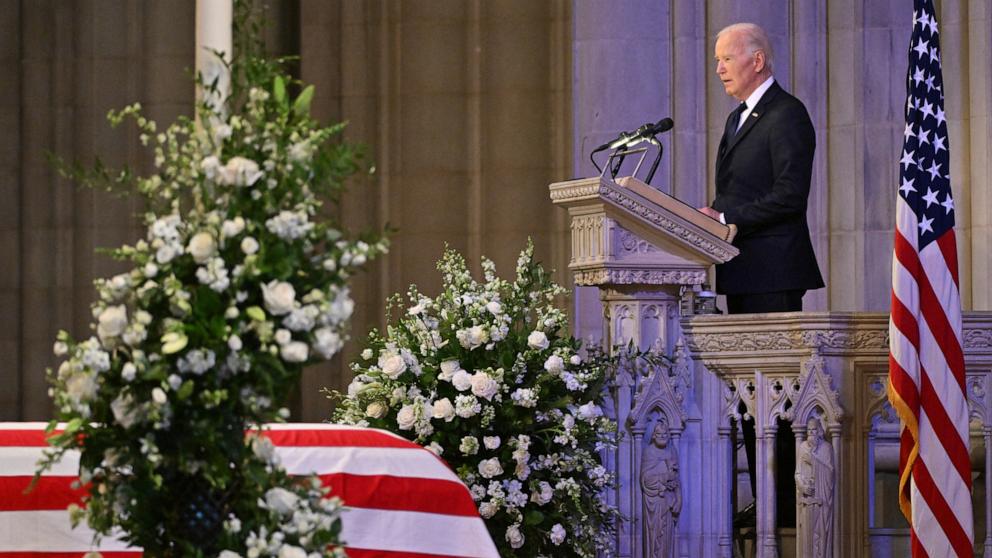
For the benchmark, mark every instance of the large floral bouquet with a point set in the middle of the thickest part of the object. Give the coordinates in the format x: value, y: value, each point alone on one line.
x: 485, y: 376
x: 238, y: 284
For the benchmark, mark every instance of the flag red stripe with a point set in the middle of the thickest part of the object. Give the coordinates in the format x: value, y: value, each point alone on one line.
x: 958, y: 538
x: 77, y: 554
x: 51, y: 493
x: 336, y: 438
x: 904, y: 386
x: 26, y: 438
x: 905, y: 322
x: 386, y: 492
x: 948, y: 247
x: 944, y: 427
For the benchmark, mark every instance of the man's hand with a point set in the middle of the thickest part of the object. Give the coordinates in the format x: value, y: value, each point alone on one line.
x: 710, y: 212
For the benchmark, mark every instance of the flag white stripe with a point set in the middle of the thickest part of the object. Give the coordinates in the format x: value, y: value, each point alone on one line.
x: 21, y: 461
x: 49, y: 531
x: 404, y: 531
x: 400, y: 462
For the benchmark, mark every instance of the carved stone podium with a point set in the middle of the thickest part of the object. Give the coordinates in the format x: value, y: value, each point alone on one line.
x: 642, y: 249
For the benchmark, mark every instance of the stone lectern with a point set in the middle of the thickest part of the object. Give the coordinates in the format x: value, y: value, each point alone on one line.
x: 647, y: 252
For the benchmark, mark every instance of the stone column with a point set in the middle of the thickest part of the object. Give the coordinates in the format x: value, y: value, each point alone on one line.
x: 214, y: 19
x: 988, y: 492
x: 726, y: 468
x: 800, y: 434
x: 765, y: 500
x: 834, y: 431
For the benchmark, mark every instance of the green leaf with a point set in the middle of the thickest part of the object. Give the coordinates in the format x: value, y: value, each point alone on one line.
x: 533, y: 517
x: 255, y: 313
x: 279, y: 90
x: 302, y: 104
x: 185, y: 390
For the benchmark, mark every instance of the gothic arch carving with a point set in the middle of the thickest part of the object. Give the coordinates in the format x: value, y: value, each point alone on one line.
x: 657, y: 395
x: 816, y: 392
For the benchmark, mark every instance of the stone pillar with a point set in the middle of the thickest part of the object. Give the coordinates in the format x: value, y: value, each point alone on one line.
x: 214, y: 19
x: 834, y: 431
x: 765, y: 499
x: 988, y: 492
x: 800, y: 434
x: 726, y: 468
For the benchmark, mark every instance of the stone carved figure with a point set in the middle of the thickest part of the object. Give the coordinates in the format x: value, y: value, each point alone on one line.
x: 815, y: 494
x: 661, y: 492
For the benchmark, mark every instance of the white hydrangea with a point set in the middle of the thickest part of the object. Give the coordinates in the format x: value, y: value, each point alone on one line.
x: 289, y: 225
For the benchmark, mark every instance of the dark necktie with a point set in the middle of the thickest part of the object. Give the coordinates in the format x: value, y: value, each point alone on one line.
x: 735, y: 119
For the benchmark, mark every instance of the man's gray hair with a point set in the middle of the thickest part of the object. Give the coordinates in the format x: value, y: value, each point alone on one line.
x: 755, y: 39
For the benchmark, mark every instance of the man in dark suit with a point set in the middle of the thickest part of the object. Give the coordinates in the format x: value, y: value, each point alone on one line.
x: 763, y: 171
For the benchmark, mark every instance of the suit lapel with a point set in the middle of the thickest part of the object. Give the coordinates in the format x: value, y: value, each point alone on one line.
x: 728, y: 143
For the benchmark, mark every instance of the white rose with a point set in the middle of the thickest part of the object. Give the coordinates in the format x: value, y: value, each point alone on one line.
x: 232, y: 227
x: 279, y: 297
x: 514, y: 536
x: 575, y: 359
x: 128, y: 371
x: 488, y: 509
x: 376, y: 410
x: 124, y: 412
x: 264, y: 449
x: 554, y: 365
x: 393, y: 366
x: 367, y: 354
x: 282, y: 336
x: 228, y: 554
x: 234, y: 343
x: 294, y: 351
x: 406, y: 418
x: 494, y: 307
x: 240, y: 171
x: 448, y: 369
x: 490, y: 468
x: 112, y: 321
x: 82, y: 387
x: 472, y: 337
x: 249, y: 245
x: 443, y: 409
x: 281, y: 500
x: 537, y: 340
x: 166, y: 253
x: 557, y: 534
x: 491, y: 442
x: 202, y: 247
x: 462, y: 380
x: 159, y: 396
x: 484, y: 386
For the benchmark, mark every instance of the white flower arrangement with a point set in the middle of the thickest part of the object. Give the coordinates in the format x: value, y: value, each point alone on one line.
x: 238, y: 284
x: 486, y: 376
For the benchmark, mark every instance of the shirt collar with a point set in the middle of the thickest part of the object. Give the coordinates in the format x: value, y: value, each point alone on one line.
x: 755, y: 96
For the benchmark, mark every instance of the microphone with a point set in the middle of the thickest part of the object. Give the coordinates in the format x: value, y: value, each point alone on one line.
x: 650, y: 130
x: 616, y: 142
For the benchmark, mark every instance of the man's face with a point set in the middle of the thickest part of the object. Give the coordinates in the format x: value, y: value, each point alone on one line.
x: 739, y: 70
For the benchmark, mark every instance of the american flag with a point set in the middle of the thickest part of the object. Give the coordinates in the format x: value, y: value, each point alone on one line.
x: 926, y: 362
x: 401, y: 501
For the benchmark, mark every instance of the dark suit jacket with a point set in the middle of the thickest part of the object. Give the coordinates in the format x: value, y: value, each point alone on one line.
x: 762, y: 185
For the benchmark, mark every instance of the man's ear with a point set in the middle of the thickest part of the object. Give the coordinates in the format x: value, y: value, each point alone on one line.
x: 759, y: 61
